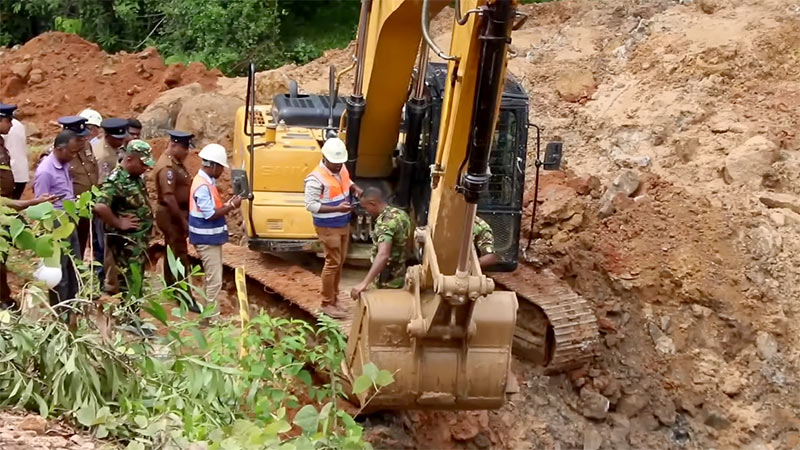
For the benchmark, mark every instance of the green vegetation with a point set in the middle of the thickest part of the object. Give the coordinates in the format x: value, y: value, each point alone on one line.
x: 220, y: 33
x: 271, y: 383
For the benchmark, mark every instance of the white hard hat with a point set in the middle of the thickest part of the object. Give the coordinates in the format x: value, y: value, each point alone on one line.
x: 51, y: 276
x: 214, y: 153
x: 92, y: 117
x: 335, y: 151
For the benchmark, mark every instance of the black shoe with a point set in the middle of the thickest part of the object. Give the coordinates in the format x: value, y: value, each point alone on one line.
x: 9, y: 305
x: 194, y: 307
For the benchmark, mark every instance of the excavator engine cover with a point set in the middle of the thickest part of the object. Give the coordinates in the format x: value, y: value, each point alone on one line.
x: 433, y: 372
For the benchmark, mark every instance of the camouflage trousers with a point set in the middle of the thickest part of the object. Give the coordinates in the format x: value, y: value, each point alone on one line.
x: 128, y: 256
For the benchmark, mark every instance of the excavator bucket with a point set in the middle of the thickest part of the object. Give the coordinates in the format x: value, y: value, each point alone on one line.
x: 466, y: 370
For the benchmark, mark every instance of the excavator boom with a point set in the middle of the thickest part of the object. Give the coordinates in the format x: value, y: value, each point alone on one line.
x: 447, y: 335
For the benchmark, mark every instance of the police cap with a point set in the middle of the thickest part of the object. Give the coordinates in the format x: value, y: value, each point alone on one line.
x: 115, y: 127
x: 76, y: 124
x: 7, y: 110
x: 181, y: 137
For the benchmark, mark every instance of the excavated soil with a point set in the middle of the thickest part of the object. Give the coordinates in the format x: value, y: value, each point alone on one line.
x: 676, y: 216
x: 58, y: 74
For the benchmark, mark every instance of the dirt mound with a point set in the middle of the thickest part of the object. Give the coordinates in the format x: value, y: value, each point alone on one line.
x: 57, y: 74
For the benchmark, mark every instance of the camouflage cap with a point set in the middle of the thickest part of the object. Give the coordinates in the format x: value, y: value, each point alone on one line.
x: 141, y: 148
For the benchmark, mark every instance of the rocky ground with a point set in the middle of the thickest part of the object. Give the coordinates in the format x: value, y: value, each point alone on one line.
x: 30, y: 432
x: 677, y: 216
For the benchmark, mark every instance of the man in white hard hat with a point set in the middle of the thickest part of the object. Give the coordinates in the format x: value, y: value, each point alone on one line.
x: 328, y: 194
x: 208, y: 231
x: 93, y: 121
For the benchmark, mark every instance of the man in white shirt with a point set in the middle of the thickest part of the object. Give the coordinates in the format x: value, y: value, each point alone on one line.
x: 16, y: 143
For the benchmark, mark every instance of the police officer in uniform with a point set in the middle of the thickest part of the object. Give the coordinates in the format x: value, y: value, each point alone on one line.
x: 82, y: 170
x: 172, y: 182
x: 108, y: 150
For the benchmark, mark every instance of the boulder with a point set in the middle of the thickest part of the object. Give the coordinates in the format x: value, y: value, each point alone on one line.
x: 21, y: 69
x: 626, y: 184
x: 162, y: 113
x: 209, y: 116
x: 747, y: 163
x: 36, y: 76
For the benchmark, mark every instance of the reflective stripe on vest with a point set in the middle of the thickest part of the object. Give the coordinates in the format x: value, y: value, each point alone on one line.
x: 201, y: 230
x: 334, y: 193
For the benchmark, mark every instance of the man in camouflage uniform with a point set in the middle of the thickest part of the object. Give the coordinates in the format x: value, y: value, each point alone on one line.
x: 125, y: 210
x: 389, y: 238
x: 483, y: 238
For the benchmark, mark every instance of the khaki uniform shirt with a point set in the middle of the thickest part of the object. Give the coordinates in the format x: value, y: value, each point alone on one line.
x: 6, y: 176
x: 84, y: 171
x: 107, y: 158
x: 171, y: 177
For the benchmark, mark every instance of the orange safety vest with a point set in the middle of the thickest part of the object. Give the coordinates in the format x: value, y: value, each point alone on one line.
x: 334, y: 193
x: 201, y: 230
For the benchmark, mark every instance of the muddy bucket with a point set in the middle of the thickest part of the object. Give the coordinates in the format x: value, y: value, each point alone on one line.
x: 461, y: 368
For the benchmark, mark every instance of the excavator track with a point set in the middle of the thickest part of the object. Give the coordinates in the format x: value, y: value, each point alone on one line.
x: 556, y: 328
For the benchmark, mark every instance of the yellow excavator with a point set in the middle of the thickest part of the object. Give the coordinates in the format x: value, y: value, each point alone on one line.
x: 462, y: 127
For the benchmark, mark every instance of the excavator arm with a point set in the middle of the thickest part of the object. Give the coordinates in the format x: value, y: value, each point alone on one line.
x: 447, y: 335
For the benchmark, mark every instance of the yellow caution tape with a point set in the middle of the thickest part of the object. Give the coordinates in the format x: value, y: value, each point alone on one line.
x: 241, y: 293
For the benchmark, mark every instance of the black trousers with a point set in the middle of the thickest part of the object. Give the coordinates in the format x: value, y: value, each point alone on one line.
x: 67, y: 288
x: 19, y: 188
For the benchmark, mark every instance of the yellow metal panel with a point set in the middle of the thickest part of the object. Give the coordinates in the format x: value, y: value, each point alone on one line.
x: 280, y: 166
x: 281, y: 215
x: 393, y: 38
x: 447, y: 208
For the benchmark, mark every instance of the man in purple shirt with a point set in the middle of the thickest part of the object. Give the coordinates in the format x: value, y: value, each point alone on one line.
x: 52, y: 178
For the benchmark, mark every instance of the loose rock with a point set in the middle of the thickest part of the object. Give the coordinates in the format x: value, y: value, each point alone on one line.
x: 747, y: 163
x: 716, y: 419
x: 594, y: 404
x: 574, y: 86
x: 732, y: 383
x: 592, y: 440
x: 21, y: 69
x: 664, y: 411
x: 664, y: 344
x: 632, y: 404
x: 777, y: 200
x: 34, y: 423
x: 625, y: 183
x: 767, y: 345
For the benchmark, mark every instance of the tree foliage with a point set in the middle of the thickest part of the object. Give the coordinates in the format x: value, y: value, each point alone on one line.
x: 220, y: 33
